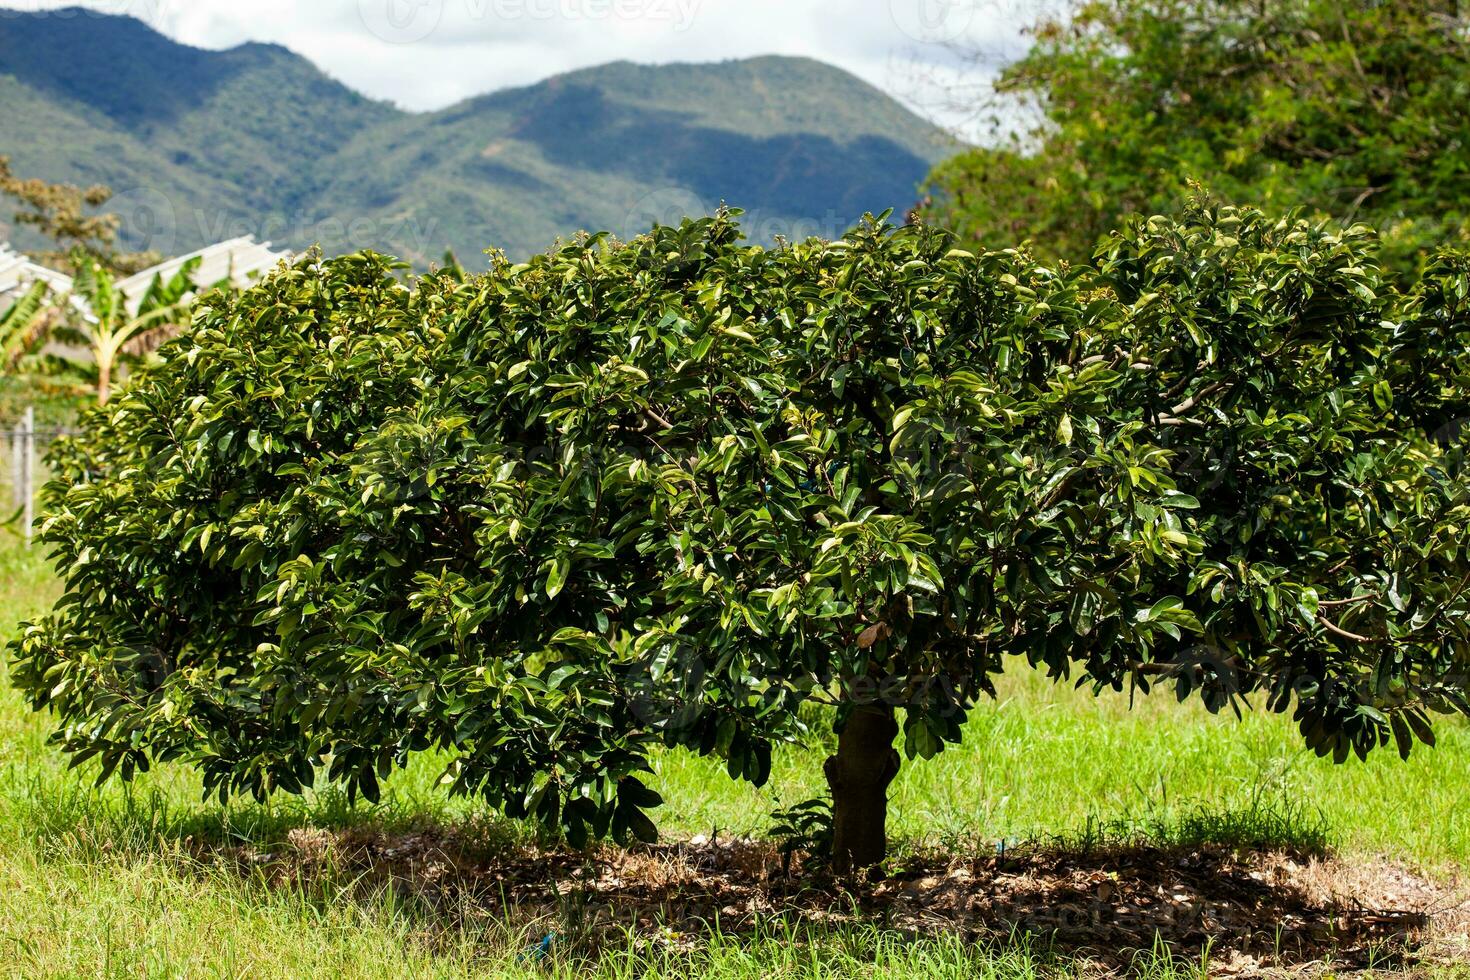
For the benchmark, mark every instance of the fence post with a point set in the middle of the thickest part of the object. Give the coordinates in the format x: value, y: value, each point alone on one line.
x: 17, y: 457
x: 30, y: 468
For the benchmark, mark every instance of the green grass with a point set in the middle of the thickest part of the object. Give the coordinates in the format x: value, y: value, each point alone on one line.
x: 100, y: 882
x: 1045, y: 760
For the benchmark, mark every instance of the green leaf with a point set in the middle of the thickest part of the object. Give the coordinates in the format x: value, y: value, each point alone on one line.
x: 1383, y: 396
x: 556, y: 577
x: 1064, y: 430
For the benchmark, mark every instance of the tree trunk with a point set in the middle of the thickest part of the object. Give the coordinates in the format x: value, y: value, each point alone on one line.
x: 858, y: 776
x: 104, y: 380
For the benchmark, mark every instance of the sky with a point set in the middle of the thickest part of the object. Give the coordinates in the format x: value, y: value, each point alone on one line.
x: 934, y: 55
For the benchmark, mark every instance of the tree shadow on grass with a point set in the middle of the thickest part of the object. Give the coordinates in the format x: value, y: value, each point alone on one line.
x: 1109, y: 903
x: 1254, y: 892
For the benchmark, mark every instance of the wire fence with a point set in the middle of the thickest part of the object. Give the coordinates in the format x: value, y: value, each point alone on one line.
x: 25, y: 445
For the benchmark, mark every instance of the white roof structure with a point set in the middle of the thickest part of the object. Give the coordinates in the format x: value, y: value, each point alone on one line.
x: 240, y: 260
x: 18, y: 272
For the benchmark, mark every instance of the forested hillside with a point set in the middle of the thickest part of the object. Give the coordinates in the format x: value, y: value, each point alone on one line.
x: 201, y: 145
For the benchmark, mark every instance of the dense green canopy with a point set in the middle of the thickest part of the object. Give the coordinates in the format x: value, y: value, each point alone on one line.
x: 1354, y: 109
x: 664, y: 493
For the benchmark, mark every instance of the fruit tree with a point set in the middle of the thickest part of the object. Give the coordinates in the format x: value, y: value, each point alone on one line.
x: 554, y: 517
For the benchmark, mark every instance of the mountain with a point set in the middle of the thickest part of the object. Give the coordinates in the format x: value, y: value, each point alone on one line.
x: 204, y: 145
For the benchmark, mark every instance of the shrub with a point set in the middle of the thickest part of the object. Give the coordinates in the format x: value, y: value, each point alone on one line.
x: 666, y: 493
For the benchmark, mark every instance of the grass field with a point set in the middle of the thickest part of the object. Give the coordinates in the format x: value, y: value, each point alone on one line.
x: 104, y: 883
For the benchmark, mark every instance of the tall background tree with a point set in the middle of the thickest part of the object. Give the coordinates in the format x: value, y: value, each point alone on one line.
x: 1353, y: 109
x: 72, y: 218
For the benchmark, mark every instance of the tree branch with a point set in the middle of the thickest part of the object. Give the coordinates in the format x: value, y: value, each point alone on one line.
x: 1329, y: 603
x: 1356, y: 638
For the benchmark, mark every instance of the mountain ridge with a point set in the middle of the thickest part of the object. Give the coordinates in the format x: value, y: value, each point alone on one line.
x: 256, y: 139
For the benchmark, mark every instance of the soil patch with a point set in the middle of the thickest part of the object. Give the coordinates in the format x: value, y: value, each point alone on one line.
x: 1258, y: 913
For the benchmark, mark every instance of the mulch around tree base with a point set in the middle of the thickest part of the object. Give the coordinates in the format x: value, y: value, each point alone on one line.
x: 1258, y: 913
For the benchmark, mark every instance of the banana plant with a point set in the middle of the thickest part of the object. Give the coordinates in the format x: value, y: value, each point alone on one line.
x: 23, y: 325
x: 115, y: 322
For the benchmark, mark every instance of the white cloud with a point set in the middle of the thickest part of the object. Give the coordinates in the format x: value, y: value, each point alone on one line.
x: 426, y: 54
